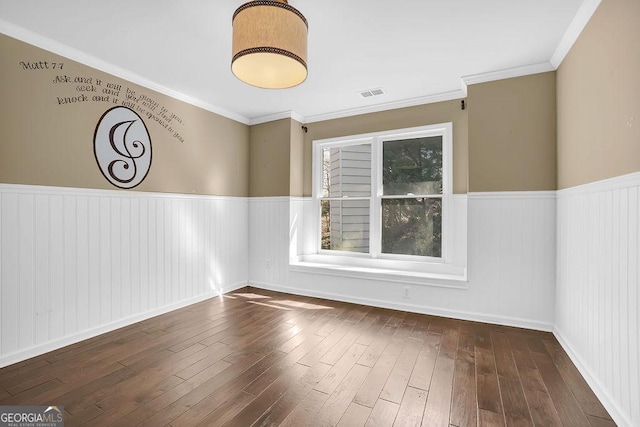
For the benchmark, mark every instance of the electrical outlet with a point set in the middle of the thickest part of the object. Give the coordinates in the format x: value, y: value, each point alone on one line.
x: 268, y: 264
x: 406, y: 293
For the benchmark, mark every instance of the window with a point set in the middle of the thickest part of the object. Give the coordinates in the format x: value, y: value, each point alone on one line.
x: 412, y: 196
x: 385, y: 195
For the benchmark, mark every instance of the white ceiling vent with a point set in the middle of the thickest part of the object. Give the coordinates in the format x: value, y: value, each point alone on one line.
x: 372, y: 92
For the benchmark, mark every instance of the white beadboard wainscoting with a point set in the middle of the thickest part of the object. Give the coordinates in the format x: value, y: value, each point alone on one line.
x: 511, y: 262
x: 75, y: 263
x: 597, y: 297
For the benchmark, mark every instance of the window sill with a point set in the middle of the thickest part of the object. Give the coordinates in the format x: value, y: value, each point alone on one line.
x: 447, y: 276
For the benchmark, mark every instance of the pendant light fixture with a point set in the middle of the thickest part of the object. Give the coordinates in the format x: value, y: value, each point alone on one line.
x: 269, y: 44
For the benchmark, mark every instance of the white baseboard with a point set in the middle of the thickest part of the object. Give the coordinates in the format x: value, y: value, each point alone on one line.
x: 455, y: 314
x: 607, y: 401
x: 93, y: 332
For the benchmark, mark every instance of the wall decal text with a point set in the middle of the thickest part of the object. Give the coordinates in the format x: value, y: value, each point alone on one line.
x: 90, y: 89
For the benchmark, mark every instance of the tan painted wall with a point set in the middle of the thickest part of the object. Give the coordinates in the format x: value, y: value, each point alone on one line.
x: 599, y: 98
x: 269, y: 165
x: 421, y: 115
x: 43, y: 142
x: 512, y: 134
x: 276, y: 159
x: 296, y: 176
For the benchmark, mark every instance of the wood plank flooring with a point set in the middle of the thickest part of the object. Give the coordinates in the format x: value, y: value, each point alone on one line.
x: 261, y: 358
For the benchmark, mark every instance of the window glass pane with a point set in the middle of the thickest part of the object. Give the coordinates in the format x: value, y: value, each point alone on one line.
x: 346, y: 171
x: 345, y: 225
x: 412, y: 226
x: 412, y: 166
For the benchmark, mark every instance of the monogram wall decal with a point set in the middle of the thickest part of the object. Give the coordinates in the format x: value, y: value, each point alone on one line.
x: 122, y: 147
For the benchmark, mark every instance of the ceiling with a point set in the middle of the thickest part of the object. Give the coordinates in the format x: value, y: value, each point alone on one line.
x: 416, y: 50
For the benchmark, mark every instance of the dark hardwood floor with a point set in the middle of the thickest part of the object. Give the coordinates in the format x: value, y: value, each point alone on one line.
x: 255, y: 357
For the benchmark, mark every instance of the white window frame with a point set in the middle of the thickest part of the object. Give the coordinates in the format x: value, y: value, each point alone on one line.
x: 375, y: 258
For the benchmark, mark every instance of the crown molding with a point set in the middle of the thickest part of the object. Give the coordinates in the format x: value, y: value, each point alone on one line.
x: 580, y: 20
x: 508, y: 73
x: 582, y: 17
x: 446, y: 96
x: 83, y: 58
x: 277, y: 116
x: 461, y: 93
x: 297, y: 117
x: 411, y: 102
